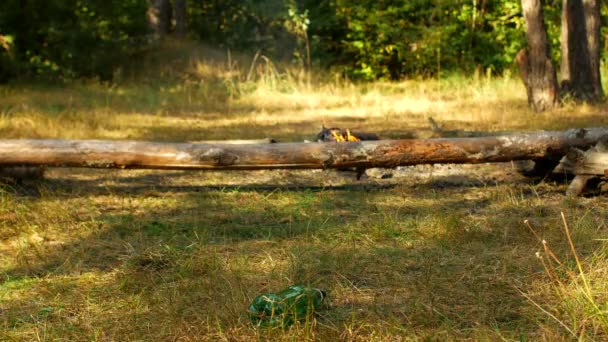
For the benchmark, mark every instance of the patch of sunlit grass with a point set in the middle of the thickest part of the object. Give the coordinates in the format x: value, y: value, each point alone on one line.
x: 215, y: 99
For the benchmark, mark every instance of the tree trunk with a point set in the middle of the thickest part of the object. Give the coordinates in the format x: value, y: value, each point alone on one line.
x: 580, y: 69
x: 159, y: 17
x: 4, y: 43
x: 535, y: 64
x: 181, y: 19
x: 363, y: 154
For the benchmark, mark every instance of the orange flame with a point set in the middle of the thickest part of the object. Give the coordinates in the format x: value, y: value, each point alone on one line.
x: 350, y: 137
x: 339, y: 137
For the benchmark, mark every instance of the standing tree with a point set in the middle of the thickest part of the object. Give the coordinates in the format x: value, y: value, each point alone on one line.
x: 580, y: 69
x: 159, y: 17
x: 535, y: 66
x: 180, y: 13
x: 161, y: 14
x: 580, y: 47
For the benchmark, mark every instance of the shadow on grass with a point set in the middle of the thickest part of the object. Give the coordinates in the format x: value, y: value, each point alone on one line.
x: 435, y: 261
x: 70, y: 182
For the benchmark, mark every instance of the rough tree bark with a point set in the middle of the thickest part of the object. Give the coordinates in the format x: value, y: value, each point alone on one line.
x: 180, y: 14
x: 536, y: 68
x: 580, y: 39
x: 363, y: 154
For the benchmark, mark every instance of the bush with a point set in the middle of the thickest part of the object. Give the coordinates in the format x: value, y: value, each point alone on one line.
x: 72, y: 38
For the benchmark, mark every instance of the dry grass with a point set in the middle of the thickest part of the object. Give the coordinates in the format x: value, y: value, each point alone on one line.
x: 142, y: 255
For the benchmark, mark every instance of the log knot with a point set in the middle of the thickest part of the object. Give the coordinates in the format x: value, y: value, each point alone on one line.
x: 581, y: 133
x: 602, y: 144
x: 575, y: 156
x: 101, y: 163
x: 218, y: 156
x: 327, y: 160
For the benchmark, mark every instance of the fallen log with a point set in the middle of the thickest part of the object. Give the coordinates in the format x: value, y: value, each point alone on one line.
x: 364, y: 154
x: 236, y: 141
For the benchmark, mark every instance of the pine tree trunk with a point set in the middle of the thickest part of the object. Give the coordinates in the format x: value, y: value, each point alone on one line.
x: 580, y: 69
x: 180, y: 14
x: 166, y: 14
x: 159, y: 17
x: 535, y: 65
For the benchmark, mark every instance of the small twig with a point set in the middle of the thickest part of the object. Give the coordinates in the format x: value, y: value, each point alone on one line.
x: 578, y: 262
x: 434, y: 126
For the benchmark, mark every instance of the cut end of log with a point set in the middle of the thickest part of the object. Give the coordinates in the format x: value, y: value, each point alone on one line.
x: 578, y: 185
x: 585, y: 165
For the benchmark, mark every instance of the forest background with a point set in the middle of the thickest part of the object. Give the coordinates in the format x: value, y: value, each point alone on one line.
x: 360, y: 40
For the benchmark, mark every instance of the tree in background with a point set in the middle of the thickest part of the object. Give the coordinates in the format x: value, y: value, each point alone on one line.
x: 358, y: 39
x: 535, y: 65
x: 406, y: 38
x: 160, y: 16
x: 6, y: 43
x: 580, y: 67
x: 71, y: 38
x: 580, y: 54
x: 180, y: 11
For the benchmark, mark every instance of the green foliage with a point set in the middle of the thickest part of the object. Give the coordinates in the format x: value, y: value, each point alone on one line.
x: 238, y: 24
x: 72, y: 38
x: 7, y: 67
x: 362, y: 39
x: 391, y: 39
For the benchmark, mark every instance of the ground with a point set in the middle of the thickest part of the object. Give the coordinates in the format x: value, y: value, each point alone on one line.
x: 434, y: 253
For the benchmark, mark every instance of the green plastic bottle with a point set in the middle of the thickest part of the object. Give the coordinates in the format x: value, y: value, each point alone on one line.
x: 284, y: 308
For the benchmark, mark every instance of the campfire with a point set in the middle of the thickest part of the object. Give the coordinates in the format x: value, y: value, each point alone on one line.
x: 336, y: 134
x: 339, y: 137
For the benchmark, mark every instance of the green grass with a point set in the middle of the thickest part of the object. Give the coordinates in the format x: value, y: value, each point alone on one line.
x: 164, y: 255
